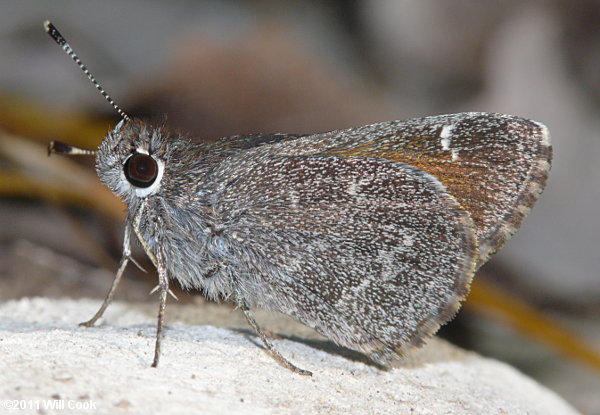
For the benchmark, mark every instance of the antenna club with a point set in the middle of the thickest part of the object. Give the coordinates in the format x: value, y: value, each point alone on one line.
x: 54, y: 33
x: 59, y: 147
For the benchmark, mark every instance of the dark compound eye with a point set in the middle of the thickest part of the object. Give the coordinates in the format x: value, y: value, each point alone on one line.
x: 141, y: 170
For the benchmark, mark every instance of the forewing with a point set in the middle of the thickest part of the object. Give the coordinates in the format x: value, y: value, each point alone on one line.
x: 373, y: 254
x: 494, y: 165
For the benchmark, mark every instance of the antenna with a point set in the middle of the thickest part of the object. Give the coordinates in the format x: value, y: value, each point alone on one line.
x: 61, y: 148
x: 62, y: 42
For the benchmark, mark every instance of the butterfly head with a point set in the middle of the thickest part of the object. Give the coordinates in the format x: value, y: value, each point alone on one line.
x: 131, y: 159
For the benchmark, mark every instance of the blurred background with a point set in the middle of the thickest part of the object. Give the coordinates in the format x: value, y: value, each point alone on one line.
x: 219, y: 68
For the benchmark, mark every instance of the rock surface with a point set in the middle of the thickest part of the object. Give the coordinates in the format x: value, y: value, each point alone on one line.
x: 45, y: 357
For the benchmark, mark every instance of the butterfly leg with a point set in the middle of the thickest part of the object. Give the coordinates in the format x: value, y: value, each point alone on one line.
x: 163, y: 282
x: 268, y: 345
x: 113, y: 288
x: 125, y: 258
x: 163, y: 289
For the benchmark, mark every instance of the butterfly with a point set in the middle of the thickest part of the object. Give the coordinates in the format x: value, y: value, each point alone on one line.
x: 369, y: 235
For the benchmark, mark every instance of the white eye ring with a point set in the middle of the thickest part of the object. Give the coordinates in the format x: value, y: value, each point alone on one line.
x: 155, y: 186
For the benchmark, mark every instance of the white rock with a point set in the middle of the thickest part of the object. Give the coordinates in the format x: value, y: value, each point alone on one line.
x: 44, y: 355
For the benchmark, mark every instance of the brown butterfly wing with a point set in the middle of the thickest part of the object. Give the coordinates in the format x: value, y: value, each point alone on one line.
x: 495, y: 165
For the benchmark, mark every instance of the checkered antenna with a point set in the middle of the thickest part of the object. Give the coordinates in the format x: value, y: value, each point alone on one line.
x: 62, y: 42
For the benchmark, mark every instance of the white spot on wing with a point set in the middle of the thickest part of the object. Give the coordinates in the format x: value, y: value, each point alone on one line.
x: 445, y: 143
x: 445, y: 140
x: 446, y: 132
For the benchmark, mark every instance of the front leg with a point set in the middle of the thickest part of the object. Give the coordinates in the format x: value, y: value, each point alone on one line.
x: 125, y: 258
